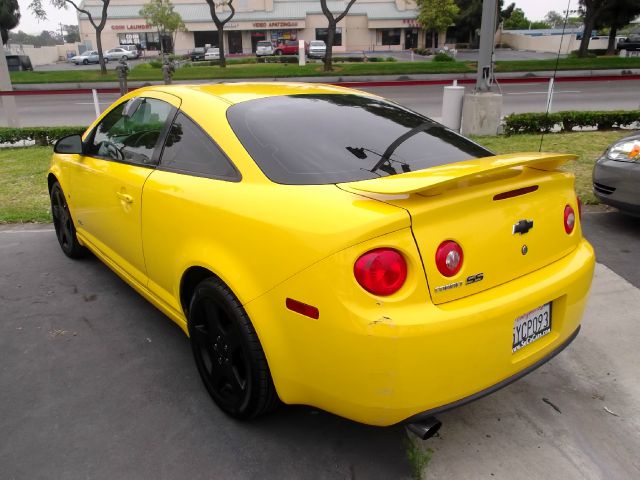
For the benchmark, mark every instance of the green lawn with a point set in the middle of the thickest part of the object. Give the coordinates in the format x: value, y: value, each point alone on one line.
x: 587, y: 145
x: 23, y: 184
x: 270, y: 70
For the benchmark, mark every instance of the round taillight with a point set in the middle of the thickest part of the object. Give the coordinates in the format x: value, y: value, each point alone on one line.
x: 449, y: 258
x: 381, y: 271
x: 569, y: 219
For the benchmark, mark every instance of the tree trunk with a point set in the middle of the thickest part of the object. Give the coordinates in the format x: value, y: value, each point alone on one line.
x: 223, y: 61
x: 103, y: 67
x: 160, y: 37
x: 611, y: 48
x: 586, y: 34
x: 328, y: 58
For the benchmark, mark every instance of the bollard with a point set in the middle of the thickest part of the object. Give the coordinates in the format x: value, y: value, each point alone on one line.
x: 96, y: 104
x: 452, y: 107
x: 123, y: 71
x: 302, y: 60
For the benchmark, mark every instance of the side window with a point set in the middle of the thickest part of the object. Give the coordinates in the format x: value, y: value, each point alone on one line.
x: 132, y: 138
x: 189, y: 150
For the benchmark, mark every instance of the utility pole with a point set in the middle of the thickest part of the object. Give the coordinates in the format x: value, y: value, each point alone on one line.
x: 61, y: 31
x: 485, y: 54
x: 482, y: 109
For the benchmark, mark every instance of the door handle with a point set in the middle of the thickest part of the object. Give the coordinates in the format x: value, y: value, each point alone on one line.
x: 124, y: 197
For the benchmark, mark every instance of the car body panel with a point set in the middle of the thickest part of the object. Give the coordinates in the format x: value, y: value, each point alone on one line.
x: 382, y: 361
x: 617, y: 182
x: 377, y: 360
x: 212, y: 54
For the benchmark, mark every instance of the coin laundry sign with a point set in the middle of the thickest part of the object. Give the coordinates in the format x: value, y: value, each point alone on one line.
x: 131, y: 27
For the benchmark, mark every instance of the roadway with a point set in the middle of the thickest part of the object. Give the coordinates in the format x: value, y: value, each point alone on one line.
x: 78, y: 109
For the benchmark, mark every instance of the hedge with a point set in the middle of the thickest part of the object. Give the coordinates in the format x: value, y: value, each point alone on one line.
x: 41, y: 135
x: 567, y: 121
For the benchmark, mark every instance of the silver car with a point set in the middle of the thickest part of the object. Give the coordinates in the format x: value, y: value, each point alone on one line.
x: 90, y: 56
x: 119, y: 53
x: 317, y: 49
x: 264, y: 48
x: 616, y: 175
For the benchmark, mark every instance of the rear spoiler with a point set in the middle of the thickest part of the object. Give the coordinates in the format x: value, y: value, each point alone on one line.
x: 438, y: 178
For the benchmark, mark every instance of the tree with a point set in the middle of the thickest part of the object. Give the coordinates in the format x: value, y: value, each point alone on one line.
x: 470, y: 18
x: 615, y: 15
x: 160, y: 14
x: 220, y: 23
x: 517, y: 21
x: 331, y: 30
x: 73, y: 33
x: 37, y: 7
x: 592, y: 10
x: 9, y: 18
x: 554, y: 19
x: 437, y: 15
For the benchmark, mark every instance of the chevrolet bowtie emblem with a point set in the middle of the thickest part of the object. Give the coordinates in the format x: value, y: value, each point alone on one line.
x: 522, y: 227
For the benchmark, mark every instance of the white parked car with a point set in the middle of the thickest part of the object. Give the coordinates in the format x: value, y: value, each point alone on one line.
x: 90, y: 56
x: 135, y: 53
x: 119, y: 53
x: 212, y: 53
x: 264, y: 48
x: 317, y: 49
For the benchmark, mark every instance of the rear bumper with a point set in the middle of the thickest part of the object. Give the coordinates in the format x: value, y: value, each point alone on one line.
x: 494, y: 388
x: 385, y: 362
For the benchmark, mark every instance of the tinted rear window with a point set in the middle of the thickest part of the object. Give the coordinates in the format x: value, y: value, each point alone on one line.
x: 321, y: 139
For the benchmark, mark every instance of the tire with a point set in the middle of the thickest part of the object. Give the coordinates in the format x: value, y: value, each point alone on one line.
x: 85, y: 62
x: 125, y: 58
x: 278, y: 52
x: 63, y: 223
x: 228, y: 354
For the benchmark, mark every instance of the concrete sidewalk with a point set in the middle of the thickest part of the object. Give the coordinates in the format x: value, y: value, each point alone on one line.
x: 577, y: 417
x: 442, y: 78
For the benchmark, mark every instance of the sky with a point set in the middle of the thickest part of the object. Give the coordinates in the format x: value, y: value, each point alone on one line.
x: 533, y: 9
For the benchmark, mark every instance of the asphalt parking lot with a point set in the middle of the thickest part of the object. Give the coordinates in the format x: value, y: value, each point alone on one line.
x: 96, y: 383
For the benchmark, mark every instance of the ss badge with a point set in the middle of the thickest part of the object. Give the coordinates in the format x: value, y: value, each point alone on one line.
x: 474, y: 278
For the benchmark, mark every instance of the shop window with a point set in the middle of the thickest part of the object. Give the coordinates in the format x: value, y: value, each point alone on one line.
x: 391, y: 36
x: 322, y: 34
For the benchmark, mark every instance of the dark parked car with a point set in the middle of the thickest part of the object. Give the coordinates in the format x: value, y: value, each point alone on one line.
x: 616, y: 175
x: 17, y: 63
x: 631, y: 43
x: 197, y: 54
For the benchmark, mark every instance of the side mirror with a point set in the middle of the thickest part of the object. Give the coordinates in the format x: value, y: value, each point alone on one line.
x: 70, y: 144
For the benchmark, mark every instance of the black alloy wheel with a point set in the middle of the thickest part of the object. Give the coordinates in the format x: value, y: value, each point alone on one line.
x: 228, y: 354
x: 63, y: 223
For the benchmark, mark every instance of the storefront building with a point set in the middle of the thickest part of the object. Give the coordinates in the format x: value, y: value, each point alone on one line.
x: 372, y: 25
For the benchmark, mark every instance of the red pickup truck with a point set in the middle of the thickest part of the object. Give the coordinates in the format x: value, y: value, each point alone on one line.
x: 287, y: 47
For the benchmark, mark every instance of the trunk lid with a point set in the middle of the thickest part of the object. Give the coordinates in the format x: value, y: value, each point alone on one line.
x: 477, y: 203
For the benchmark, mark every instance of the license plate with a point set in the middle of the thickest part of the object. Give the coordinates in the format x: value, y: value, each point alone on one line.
x: 531, y: 326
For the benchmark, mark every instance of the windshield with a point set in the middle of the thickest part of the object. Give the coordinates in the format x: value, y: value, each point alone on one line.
x: 264, y: 44
x: 335, y: 138
x: 317, y: 44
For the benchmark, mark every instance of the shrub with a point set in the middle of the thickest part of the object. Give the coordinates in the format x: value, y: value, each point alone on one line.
x: 567, y: 121
x: 279, y: 59
x: 41, y: 135
x: 422, y: 51
x: 443, y: 57
x: 154, y: 64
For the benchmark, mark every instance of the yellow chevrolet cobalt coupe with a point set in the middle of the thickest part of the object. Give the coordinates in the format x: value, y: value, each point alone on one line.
x: 324, y: 246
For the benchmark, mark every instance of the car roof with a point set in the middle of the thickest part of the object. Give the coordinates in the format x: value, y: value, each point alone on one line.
x: 233, y: 93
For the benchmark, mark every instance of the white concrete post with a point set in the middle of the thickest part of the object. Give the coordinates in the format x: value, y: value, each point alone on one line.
x: 452, y: 107
x: 550, y: 95
x: 302, y: 60
x: 8, y: 101
x: 96, y: 104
